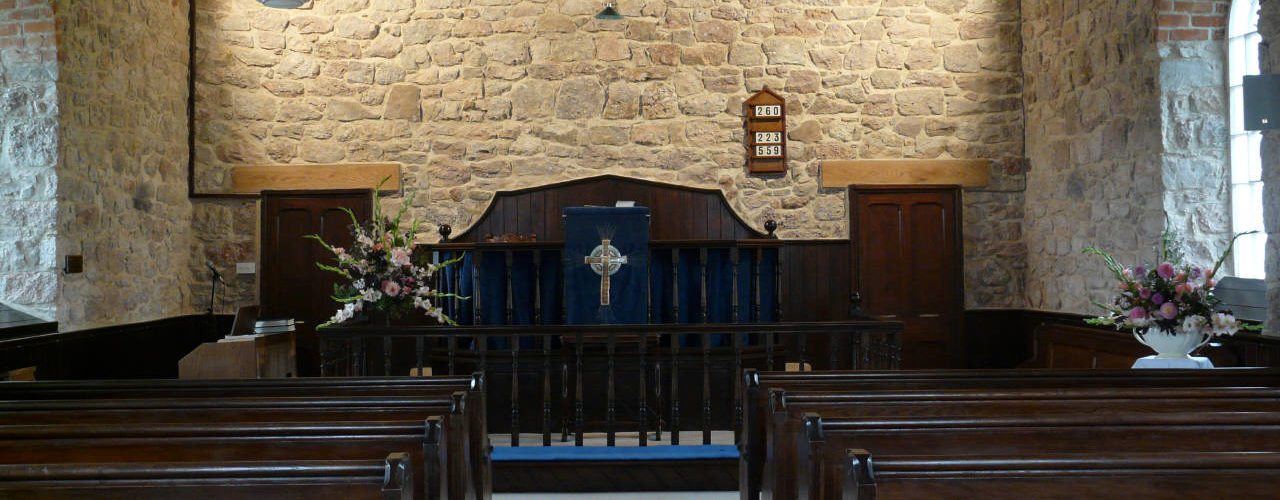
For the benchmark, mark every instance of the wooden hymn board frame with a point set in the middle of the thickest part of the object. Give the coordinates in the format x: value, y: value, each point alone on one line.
x: 766, y: 124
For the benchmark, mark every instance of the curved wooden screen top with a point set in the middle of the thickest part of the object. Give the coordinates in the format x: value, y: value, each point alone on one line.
x: 679, y: 212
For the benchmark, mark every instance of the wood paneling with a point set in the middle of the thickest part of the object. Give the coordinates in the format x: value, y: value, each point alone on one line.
x: 966, y: 173
x: 815, y: 280
x: 679, y: 213
x: 1003, y: 338
x: 140, y: 350
x: 256, y: 179
x: 292, y: 286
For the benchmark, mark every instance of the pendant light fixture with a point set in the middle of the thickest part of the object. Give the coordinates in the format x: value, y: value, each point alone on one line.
x: 283, y: 4
x: 609, y: 13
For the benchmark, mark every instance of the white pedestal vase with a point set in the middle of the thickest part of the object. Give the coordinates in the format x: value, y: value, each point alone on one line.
x: 1172, y: 345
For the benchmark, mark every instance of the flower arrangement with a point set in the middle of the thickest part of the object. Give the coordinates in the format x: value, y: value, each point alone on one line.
x: 1171, y: 296
x: 379, y: 269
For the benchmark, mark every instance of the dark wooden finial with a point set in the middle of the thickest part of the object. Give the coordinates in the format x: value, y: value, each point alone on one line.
x: 771, y: 226
x: 445, y: 230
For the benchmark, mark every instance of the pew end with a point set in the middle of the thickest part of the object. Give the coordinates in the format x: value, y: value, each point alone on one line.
x: 397, y: 482
x: 859, y: 479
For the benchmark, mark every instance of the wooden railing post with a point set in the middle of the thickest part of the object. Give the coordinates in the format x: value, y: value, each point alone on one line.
x: 644, y: 390
x: 610, y: 401
x: 675, y: 388
x: 515, y: 390
x: 706, y: 352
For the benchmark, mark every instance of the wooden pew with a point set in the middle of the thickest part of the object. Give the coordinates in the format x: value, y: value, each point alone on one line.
x: 388, y: 479
x: 824, y: 443
x: 324, y: 394
x: 1168, y: 475
x: 756, y: 405
x: 214, y: 442
x: 787, y: 409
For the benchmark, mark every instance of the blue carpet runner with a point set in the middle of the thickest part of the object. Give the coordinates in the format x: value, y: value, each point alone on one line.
x: 608, y: 453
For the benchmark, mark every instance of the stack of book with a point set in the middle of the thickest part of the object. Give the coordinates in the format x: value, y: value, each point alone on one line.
x: 273, y: 326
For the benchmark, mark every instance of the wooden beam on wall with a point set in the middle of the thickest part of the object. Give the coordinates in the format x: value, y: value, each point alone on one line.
x: 253, y: 179
x: 965, y: 173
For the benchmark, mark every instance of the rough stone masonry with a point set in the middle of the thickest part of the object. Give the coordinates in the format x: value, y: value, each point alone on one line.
x: 478, y: 96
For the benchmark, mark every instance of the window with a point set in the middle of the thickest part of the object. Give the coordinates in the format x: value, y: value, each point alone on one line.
x: 1246, y: 146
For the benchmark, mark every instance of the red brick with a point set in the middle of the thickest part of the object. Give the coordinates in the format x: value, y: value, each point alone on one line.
x: 22, y: 14
x: 1165, y: 6
x: 9, y: 29
x: 12, y: 42
x: 1174, y: 21
x: 1188, y: 35
x: 6, y: 4
x: 1198, y: 7
x: 37, y: 27
x: 1208, y: 21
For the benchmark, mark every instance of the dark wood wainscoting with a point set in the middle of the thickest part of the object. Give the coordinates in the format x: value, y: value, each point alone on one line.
x: 815, y: 280
x: 1008, y: 338
x: 139, y: 350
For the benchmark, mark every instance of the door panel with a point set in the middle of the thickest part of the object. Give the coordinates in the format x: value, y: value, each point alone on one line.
x: 292, y: 285
x: 882, y: 293
x: 906, y: 265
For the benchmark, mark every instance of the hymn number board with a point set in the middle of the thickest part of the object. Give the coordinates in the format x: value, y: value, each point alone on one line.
x: 766, y: 123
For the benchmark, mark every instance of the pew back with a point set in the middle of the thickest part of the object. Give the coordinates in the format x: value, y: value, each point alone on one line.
x: 824, y: 444
x: 756, y: 408
x: 1167, y: 475
x: 388, y: 479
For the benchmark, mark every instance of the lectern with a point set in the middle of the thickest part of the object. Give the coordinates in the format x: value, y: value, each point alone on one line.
x: 242, y: 356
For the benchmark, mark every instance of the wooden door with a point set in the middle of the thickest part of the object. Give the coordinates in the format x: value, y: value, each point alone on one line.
x: 907, y: 266
x: 291, y: 284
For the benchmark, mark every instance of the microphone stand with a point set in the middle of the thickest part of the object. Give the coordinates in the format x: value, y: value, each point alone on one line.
x: 211, y: 321
x: 213, y: 280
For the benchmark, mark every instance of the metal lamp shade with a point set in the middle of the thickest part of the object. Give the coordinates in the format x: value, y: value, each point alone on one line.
x: 609, y: 13
x: 283, y: 4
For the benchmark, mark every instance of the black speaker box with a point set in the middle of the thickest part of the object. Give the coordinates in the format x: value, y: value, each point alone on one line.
x: 1261, y: 102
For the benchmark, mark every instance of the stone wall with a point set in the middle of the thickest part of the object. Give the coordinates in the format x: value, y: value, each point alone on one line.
x: 122, y: 183
x: 475, y: 96
x: 1269, y: 28
x: 1196, y: 170
x: 28, y: 157
x: 1091, y: 73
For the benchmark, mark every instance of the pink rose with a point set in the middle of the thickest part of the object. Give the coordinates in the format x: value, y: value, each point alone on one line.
x: 1165, y: 270
x: 400, y: 257
x: 1137, y: 313
x: 1168, y: 310
x: 390, y: 288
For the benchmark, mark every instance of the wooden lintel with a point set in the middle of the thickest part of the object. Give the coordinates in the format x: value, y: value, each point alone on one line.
x: 965, y: 173
x: 253, y: 179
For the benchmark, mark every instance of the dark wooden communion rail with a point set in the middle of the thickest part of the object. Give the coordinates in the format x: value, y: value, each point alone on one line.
x: 579, y: 379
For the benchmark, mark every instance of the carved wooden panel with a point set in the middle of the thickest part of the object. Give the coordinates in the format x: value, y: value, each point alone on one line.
x: 679, y: 212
